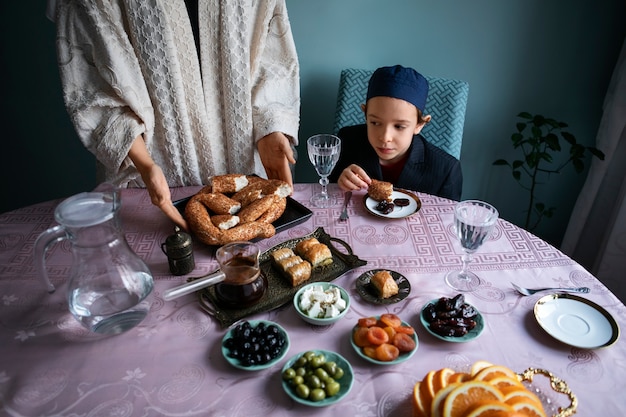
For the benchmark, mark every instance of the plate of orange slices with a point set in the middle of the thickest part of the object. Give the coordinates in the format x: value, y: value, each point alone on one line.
x: 486, y: 389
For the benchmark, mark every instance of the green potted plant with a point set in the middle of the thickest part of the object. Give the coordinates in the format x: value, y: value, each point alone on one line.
x: 538, y: 146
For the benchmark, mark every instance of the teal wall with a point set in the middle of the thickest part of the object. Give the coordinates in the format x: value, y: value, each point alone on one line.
x: 548, y: 57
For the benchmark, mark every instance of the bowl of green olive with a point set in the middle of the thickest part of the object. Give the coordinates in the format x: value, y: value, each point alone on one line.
x: 317, y: 378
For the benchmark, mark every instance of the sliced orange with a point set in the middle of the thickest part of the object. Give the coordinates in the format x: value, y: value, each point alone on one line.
x: 494, y: 371
x: 427, y: 389
x: 529, y: 409
x: 491, y: 409
x: 459, y: 377
x: 478, y: 365
x: 436, y: 408
x: 469, y: 395
x: 514, y: 396
x: 419, y: 409
x: 504, y: 382
x: 440, y: 378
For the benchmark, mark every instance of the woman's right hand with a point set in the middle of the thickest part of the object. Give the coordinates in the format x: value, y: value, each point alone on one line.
x: 160, y: 194
x: 156, y: 184
x: 353, y: 178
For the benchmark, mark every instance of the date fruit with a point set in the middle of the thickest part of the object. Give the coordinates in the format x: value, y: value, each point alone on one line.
x: 450, y: 317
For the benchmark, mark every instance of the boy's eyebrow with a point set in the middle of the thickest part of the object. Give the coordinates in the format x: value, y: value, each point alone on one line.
x: 394, y: 121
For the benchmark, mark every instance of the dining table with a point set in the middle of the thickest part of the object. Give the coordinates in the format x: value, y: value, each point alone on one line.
x: 172, y: 364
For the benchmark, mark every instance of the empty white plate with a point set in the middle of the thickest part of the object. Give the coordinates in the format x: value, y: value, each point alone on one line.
x: 576, y: 321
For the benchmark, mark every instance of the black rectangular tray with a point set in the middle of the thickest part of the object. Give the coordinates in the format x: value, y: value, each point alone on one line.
x: 279, y: 291
x: 294, y: 214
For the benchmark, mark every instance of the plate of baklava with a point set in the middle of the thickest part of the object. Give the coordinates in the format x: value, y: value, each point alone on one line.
x: 383, y: 200
x: 382, y: 286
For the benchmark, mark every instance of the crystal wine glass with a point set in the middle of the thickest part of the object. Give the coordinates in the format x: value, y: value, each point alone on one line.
x: 324, y: 153
x: 474, y: 220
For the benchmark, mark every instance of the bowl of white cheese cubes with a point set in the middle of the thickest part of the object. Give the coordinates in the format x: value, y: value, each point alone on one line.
x: 321, y: 303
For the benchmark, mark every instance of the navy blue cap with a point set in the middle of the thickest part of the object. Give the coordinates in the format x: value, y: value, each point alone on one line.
x: 399, y: 82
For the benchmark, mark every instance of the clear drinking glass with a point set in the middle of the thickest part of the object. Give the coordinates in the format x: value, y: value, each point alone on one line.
x: 474, y: 220
x: 324, y: 152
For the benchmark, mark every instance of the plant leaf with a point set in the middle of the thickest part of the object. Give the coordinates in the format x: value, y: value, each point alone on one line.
x: 596, y: 152
x: 552, y: 141
x: 536, y: 131
x: 517, y: 164
x: 517, y: 175
x: 569, y: 137
x: 500, y: 162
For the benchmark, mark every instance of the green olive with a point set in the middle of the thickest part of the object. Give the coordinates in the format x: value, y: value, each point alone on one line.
x: 303, y: 391
x: 321, y: 373
x: 313, y: 381
x: 289, y: 374
x: 330, y: 367
x: 317, y: 361
x: 297, y: 380
x: 317, y: 394
x: 308, y: 355
x: 332, y: 388
x: 338, y: 373
x: 302, y: 361
x: 301, y: 371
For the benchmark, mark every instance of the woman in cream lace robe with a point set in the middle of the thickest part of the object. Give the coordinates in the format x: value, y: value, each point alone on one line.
x: 158, y: 112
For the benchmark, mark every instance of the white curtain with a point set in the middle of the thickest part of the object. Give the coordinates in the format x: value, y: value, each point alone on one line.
x: 596, y: 234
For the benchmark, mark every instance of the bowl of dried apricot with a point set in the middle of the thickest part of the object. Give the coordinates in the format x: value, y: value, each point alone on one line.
x: 384, y: 339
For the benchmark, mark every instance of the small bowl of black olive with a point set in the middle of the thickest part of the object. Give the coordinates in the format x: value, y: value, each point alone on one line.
x: 255, y: 345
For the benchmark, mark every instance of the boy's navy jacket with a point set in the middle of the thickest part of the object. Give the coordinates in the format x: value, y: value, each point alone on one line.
x: 428, y: 169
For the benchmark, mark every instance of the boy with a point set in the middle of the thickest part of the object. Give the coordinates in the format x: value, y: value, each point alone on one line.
x: 397, y: 153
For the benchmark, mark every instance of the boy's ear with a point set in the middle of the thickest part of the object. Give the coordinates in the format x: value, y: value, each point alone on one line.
x: 364, y: 108
x: 420, y: 126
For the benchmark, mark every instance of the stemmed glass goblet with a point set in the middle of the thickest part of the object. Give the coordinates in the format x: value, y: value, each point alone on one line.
x: 474, y: 220
x: 324, y: 152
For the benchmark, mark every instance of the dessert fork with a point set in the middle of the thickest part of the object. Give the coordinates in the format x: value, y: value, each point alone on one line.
x: 531, y: 291
x: 344, y: 213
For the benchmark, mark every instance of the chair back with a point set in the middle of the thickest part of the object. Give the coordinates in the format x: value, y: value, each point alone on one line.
x: 446, y: 103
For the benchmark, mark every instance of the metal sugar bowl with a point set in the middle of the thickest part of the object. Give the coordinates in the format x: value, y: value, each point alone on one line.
x: 179, y: 251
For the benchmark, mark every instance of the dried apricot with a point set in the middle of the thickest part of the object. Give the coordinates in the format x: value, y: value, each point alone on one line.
x: 367, y: 321
x: 391, y: 320
x: 377, y: 336
x: 405, y: 329
x: 387, y: 352
x: 360, y: 337
x: 403, y: 342
x: 390, y: 331
x: 370, y: 351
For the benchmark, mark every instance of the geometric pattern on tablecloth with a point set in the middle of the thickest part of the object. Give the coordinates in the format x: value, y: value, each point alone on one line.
x: 446, y: 103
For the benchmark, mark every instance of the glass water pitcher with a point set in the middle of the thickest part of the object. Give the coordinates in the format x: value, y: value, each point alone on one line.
x: 109, y: 285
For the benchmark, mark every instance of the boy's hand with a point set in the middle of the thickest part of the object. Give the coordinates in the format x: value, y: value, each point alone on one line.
x: 353, y: 178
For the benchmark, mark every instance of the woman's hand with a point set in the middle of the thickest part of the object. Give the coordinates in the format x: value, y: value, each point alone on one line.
x: 160, y: 194
x: 276, y: 155
x: 353, y: 178
x: 156, y: 184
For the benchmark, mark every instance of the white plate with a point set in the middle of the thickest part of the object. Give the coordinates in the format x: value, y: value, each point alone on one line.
x: 398, y: 212
x: 576, y: 321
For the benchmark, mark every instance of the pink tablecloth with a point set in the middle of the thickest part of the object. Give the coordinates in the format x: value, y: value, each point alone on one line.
x: 172, y: 364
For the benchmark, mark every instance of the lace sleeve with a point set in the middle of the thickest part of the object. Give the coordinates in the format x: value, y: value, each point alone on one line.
x: 276, y: 82
x: 103, y: 89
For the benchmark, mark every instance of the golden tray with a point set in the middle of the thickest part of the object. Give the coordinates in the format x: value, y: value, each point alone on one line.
x: 279, y: 291
x: 557, y: 385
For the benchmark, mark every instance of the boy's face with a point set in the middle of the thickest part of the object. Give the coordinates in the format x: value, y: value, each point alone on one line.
x: 391, y: 124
